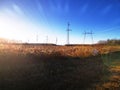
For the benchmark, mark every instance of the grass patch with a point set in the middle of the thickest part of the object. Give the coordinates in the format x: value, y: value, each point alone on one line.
x: 111, y: 59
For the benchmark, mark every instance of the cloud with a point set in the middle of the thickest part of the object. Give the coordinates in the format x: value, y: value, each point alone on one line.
x: 8, y: 12
x: 106, y: 9
x: 17, y: 9
x: 59, y: 6
x: 12, y: 11
x: 39, y: 7
x: 41, y: 10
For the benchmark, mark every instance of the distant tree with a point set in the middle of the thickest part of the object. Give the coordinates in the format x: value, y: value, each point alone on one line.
x: 110, y: 42
x: 102, y: 42
x: 6, y: 41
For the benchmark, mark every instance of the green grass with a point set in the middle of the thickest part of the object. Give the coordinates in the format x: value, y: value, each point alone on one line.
x: 111, y: 59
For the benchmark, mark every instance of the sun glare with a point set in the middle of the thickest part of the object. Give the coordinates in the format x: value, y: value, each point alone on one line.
x: 7, y: 27
x: 16, y: 29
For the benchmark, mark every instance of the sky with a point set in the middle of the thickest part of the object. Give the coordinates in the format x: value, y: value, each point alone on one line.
x: 41, y: 21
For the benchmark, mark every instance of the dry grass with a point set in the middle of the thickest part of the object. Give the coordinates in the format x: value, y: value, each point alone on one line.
x: 113, y: 81
x: 51, y: 67
x: 69, y: 51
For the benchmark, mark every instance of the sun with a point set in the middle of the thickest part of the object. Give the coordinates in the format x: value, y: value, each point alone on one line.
x: 12, y: 28
x: 7, y: 27
x: 17, y: 29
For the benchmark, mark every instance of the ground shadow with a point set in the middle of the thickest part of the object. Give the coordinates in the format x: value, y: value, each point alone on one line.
x: 55, y: 72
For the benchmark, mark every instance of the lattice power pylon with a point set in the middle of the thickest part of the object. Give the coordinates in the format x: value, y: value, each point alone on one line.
x: 88, y: 33
x: 68, y: 30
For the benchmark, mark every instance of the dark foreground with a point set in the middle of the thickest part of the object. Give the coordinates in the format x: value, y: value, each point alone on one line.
x: 33, y: 72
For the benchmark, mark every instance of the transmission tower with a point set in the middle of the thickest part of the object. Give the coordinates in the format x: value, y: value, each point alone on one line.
x: 46, y: 39
x: 68, y: 32
x: 28, y: 40
x: 37, y: 38
x: 88, y: 33
x: 56, y: 41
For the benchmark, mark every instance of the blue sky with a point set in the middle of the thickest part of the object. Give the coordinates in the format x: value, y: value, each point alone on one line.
x: 26, y: 19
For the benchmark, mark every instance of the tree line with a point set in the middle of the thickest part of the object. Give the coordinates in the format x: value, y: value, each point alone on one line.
x: 110, y: 42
